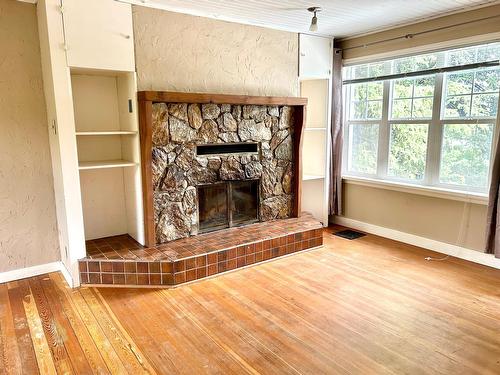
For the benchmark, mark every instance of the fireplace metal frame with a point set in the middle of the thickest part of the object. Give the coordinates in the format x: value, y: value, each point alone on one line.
x: 229, y: 194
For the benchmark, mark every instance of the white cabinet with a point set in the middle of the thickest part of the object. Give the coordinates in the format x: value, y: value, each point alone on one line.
x: 99, y: 34
x: 315, y: 84
x: 315, y: 59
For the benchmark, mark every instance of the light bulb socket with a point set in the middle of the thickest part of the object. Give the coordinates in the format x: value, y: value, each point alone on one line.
x: 314, y: 21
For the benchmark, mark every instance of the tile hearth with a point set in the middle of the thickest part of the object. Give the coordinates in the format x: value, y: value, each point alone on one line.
x: 120, y: 260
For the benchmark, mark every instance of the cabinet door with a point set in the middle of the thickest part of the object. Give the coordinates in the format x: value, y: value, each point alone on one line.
x: 99, y: 34
x: 315, y: 60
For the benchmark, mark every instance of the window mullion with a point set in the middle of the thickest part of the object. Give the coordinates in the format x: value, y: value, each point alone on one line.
x: 384, y: 133
x: 435, y: 135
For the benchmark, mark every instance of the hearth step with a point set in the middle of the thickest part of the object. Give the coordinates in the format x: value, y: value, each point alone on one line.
x: 121, y: 261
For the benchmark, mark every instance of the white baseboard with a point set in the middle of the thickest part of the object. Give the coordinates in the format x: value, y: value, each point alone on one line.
x: 426, y: 243
x: 23, y: 273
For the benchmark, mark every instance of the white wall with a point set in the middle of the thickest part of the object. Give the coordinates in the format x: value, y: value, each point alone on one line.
x: 28, y: 226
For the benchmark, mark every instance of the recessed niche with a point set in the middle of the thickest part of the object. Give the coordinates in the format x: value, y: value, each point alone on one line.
x: 228, y: 148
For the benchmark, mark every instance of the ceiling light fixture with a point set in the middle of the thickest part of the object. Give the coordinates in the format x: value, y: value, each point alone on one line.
x: 314, y: 21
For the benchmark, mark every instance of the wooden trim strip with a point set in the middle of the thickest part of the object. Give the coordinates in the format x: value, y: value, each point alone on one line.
x: 146, y: 141
x: 300, y: 121
x: 184, y: 97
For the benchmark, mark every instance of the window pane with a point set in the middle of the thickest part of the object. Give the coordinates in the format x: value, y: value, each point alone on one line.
x: 408, y: 151
x: 487, y: 81
x: 401, y: 108
x: 422, y: 108
x: 459, y: 83
x: 374, y: 110
x: 358, y: 110
x: 359, y: 92
x: 465, y: 154
x: 462, y: 56
x: 366, y: 101
x: 488, y: 52
x: 363, y: 148
x: 360, y: 71
x: 375, y: 90
x: 424, y: 86
x: 484, y: 105
x: 415, y: 63
x: 403, y: 88
x: 457, y: 106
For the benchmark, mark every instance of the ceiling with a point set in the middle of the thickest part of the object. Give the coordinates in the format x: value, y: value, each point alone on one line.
x: 339, y: 18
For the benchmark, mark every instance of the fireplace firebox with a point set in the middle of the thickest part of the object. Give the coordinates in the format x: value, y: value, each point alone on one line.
x: 227, y: 204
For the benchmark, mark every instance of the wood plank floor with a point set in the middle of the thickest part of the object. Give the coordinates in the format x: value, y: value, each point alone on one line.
x: 366, y: 306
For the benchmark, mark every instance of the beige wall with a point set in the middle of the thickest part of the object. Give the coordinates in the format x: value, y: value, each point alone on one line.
x: 179, y: 52
x: 484, y: 29
x: 454, y: 222
x: 28, y: 227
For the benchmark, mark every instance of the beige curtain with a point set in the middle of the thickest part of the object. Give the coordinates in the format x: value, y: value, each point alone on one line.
x: 335, y: 201
x: 493, y: 215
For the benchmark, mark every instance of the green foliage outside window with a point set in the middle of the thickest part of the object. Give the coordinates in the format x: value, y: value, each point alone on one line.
x: 408, y: 150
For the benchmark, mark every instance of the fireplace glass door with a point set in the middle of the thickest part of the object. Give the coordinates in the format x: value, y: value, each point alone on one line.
x: 244, y: 201
x: 213, y: 207
x: 228, y: 204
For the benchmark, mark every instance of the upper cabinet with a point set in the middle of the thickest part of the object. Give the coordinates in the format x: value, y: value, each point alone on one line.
x: 99, y: 34
x: 315, y: 56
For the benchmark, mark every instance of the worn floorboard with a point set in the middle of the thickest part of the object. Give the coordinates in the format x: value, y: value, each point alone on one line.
x: 365, y: 306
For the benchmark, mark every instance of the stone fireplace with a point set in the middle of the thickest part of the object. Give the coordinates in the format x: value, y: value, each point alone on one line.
x: 216, y: 166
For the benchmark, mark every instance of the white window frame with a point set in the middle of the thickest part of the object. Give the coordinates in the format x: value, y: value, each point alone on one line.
x: 434, y: 140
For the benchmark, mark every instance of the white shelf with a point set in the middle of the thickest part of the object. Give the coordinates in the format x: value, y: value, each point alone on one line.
x: 85, y: 165
x: 308, y: 177
x: 315, y: 129
x: 117, y: 132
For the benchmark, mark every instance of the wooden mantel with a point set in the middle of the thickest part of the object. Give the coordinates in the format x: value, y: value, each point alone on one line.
x: 146, y: 100
x: 183, y: 97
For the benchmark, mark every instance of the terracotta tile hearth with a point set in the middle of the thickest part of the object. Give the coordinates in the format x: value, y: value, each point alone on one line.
x: 120, y: 260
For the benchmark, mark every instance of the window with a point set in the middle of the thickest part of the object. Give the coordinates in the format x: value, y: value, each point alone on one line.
x: 434, y: 129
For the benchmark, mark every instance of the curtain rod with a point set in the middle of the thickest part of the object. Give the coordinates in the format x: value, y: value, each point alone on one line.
x: 424, y: 72
x: 411, y: 35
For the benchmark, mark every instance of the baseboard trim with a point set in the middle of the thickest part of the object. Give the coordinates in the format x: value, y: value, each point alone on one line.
x: 23, y: 273
x: 426, y: 243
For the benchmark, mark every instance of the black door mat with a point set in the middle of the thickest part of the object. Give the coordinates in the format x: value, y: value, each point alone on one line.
x: 349, y: 234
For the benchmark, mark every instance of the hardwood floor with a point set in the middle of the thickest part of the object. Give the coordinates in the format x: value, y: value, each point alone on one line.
x: 366, y: 306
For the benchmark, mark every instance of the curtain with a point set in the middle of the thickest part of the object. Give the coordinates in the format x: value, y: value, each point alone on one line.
x: 335, y: 200
x: 493, y: 215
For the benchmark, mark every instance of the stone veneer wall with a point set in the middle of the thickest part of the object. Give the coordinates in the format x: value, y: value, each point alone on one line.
x: 177, y: 170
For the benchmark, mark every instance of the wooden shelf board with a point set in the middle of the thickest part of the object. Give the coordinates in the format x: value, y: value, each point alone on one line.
x: 308, y: 177
x: 117, y: 132
x: 314, y: 129
x: 85, y: 165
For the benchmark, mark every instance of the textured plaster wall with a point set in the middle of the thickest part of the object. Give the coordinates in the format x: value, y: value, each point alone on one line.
x: 178, y: 52
x: 28, y: 227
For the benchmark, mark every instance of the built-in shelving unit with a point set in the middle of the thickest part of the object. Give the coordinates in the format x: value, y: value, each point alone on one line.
x: 315, y: 85
x: 91, y: 97
x: 108, y: 152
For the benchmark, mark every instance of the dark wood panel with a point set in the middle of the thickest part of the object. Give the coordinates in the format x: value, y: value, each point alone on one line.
x: 184, y: 97
x: 299, y: 125
x: 146, y: 141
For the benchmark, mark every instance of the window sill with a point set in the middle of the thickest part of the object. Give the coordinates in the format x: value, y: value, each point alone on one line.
x: 457, y: 195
